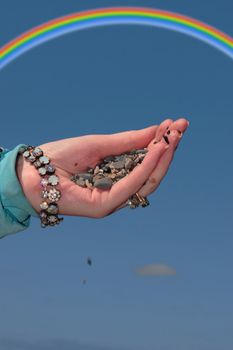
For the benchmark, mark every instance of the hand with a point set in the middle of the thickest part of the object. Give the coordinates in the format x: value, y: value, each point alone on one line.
x: 177, y: 129
x: 77, y: 154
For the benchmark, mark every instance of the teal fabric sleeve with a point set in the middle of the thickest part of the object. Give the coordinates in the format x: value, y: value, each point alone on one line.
x: 15, y: 209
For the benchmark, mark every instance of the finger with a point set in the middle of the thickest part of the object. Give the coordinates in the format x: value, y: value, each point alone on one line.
x: 159, y: 133
x: 180, y: 124
x: 130, y: 184
x: 154, y: 180
x: 125, y: 141
x: 162, y: 129
x: 162, y: 167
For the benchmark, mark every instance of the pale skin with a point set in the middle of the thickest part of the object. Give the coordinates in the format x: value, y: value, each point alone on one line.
x: 78, y: 154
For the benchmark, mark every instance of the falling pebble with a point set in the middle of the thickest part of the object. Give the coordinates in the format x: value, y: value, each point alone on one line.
x: 84, y: 281
x: 89, y: 262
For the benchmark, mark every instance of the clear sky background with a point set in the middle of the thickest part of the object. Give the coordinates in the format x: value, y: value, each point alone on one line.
x: 108, y: 80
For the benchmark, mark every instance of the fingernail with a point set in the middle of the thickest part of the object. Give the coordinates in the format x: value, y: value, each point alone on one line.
x: 166, y: 139
x: 180, y: 134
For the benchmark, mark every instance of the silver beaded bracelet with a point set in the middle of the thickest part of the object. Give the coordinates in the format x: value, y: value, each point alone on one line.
x: 49, y: 206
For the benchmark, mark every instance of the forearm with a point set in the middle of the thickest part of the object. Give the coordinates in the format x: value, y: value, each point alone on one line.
x: 15, y: 206
x: 29, y: 180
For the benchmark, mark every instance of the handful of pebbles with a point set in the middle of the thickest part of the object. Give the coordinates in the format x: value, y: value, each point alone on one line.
x: 110, y: 170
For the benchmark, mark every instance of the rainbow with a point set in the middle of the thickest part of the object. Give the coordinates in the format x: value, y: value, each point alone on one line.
x: 115, y: 15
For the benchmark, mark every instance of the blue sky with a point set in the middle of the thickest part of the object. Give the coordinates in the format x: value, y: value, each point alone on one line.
x: 108, y: 80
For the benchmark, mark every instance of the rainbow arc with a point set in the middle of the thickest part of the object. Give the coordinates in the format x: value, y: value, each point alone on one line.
x: 113, y: 16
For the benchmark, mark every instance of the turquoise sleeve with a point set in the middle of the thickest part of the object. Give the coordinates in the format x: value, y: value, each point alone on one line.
x: 15, y: 209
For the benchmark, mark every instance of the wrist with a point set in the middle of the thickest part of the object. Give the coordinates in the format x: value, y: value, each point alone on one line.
x: 29, y: 180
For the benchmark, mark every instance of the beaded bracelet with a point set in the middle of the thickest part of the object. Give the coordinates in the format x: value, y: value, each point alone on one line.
x: 49, y: 206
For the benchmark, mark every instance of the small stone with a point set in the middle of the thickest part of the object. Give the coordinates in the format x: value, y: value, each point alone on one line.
x: 42, y: 171
x: 44, y: 160
x: 103, y: 184
x: 106, y: 169
x: 97, y: 177
x: 114, y: 171
x: 109, y: 159
x: 44, y: 205
x: 133, y: 151
x: 53, y: 180
x: 133, y: 156
x: 52, y: 208
x: 119, y: 165
x: 96, y: 169
x: 120, y: 158
x: 110, y: 171
x: 111, y: 165
x: 136, y: 160
x: 141, y: 156
x: 85, y: 176
x: 121, y: 174
x: 90, y: 171
x: 80, y: 182
x: 88, y: 184
x: 129, y: 164
x: 141, y: 151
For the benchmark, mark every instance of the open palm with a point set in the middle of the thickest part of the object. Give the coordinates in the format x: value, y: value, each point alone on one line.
x: 78, y: 154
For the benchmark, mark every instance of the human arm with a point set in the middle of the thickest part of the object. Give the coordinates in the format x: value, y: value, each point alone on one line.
x: 77, y: 154
x: 15, y: 210
x: 19, y: 181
